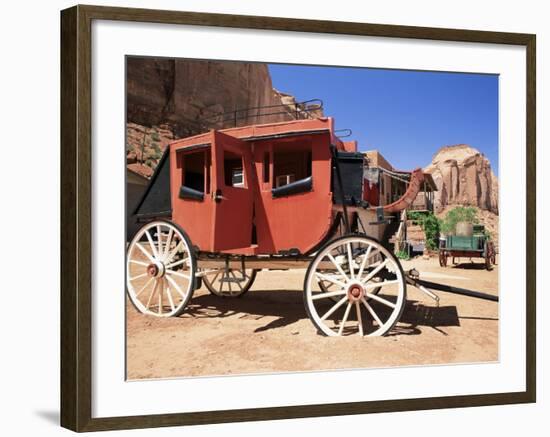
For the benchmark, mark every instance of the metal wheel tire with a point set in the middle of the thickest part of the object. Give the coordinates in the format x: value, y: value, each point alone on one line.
x: 160, y: 269
x: 356, y: 265
x: 213, y: 282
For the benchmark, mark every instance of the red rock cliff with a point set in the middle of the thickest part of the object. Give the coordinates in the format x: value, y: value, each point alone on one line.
x: 463, y: 177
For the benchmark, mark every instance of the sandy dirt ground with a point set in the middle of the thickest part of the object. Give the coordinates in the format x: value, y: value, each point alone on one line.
x: 267, y: 330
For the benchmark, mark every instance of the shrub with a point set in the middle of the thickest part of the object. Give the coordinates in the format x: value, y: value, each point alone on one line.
x: 402, y: 254
x: 155, y: 137
x: 430, y: 224
x: 458, y: 214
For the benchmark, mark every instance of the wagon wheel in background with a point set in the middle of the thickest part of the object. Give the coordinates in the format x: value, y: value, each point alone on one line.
x: 230, y: 282
x: 356, y: 266
x: 493, y: 252
x: 488, y: 264
x: 442, y: 258
x: 160, y: 269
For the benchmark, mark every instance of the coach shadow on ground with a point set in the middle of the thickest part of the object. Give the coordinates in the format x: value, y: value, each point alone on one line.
x: 288, y: 307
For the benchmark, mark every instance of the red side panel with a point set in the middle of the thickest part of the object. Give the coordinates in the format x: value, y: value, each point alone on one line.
x: 196, y: 217
x: 350, y: 146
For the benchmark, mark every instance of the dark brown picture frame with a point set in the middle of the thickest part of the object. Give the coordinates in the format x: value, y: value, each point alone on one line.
x: 76, y: 217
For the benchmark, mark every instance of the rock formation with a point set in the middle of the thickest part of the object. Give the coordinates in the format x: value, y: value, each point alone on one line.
x: 463, y: 176
x: 191, y: 95
x: 175, y: 98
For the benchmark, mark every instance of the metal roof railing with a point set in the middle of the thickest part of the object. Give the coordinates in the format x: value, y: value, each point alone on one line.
x: 297, y: 110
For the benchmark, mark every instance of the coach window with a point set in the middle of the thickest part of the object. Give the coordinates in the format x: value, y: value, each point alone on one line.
x: 196, y: 170
x: 291, y: 165
x: 233, y: 170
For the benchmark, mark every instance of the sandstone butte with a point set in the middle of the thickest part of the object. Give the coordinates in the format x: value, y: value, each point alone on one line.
x: 463, y: 176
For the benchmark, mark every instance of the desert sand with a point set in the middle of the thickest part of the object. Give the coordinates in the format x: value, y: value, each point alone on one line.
x: 267, y: 330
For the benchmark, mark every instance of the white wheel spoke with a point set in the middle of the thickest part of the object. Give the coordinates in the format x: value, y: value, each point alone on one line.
x: 375, y: 271
x: 228, y: 282
x: 160, y: 296
x: 205, y: 273
x: 359, y: 319
x: 176, y: 286
x: 139, y: 263
x: 147, y: 254
x: 345, y: 319
x: 169, y: 295
x: 350, y: 262
x: 328, y: 294
x: 159, y: 239
x: 380, y: 284
x: 173, y: 252
x: 372, y: 312
x: 331, y: 258
x: 181, y: 275
x: 334, y: 308
x: 152, y: 294
x: 133, y: 278
x: 152, y: 243
x: 381, y: 300
x: 167, y: 243
x: 177, y: 263
x: 236, y: 280
x: 142, y: 289
x: 330, y: 278
x: 215, y: 277
x: 364, y: 262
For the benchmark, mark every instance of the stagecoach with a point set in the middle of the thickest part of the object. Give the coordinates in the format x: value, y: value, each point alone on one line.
x: 292, y: 195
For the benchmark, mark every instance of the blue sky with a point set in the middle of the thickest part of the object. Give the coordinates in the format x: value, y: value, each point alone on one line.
x: 407, y: 115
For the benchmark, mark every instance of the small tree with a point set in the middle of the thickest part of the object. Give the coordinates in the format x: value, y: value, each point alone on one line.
x: 430, y: 224
x: 458, y: 214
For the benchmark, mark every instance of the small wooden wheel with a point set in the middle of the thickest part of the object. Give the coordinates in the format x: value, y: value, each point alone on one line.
x: 229, y: 283
x: 160, y: 269
x: 442, y: 258
x: 355, y: 265
x: 492, y: 252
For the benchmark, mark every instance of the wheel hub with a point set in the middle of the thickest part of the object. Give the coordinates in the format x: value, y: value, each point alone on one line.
x: 155, y: 270
x: 355, y: 292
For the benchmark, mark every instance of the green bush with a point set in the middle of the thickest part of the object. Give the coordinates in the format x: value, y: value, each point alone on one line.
x: 458, y: 214
x: 402, y: 254
x: 155, y: 137
x: 431, y: 226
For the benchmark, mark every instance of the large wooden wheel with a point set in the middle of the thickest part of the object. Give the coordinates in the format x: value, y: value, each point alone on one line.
x: 356, y: 266
x: 229, y: 282
x: 160, y: 269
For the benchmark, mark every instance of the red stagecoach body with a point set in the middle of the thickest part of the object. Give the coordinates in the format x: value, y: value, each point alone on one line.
x: 263, y: 189
x: 242, y: 171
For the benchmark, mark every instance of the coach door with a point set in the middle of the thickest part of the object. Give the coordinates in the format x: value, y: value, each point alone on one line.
x: 232, y: 193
